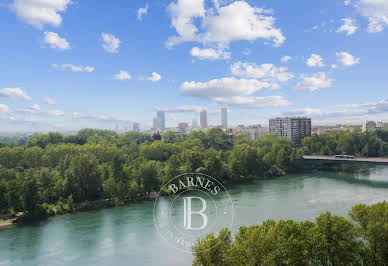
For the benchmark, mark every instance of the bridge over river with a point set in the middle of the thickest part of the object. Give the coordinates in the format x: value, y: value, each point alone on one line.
x: 355, y: 159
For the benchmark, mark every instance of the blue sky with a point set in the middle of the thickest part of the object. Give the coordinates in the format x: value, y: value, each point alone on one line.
x: 67, y: 64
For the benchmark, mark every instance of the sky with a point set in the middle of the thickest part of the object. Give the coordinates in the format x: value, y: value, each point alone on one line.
x: 72, y: 64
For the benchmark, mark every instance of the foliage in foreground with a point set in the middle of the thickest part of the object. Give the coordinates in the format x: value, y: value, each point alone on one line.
x: 330, y: 240
x: 54, y: 174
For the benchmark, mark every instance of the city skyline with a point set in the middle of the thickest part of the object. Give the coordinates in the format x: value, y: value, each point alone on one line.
x: 72, y: 70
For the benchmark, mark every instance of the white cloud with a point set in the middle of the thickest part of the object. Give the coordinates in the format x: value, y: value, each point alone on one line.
x: 15, y: 93
x: 155, y: 77
x: 315, y: 27
x: 223, y: 87
x: 97, y: 117
x: 4, y: 108
x: 377, y: 13
x: 73, y: 68
x: 315, y: 60
x: 182, y: 14
x: 209, y: 53
x: 181, y: 109
x: 40, y: 12
x: 329, y: 113
x: 254, y: 102
x: 314, y: 82
x: 362, y: 110
x: 266, y: 72
x: 110, y: 43
x: 347, y: 2
x: 347, y: 59
x: 55, y: 41
x: 240, y: 21
x: 123, y: 75
x: 378, y: 107
x: 35, y: 107
x: 141, y: 12
x: 55, y: 113
x: 50, y: 101
x: 223, y: 25
x: 286, y: 58
x: 348, y: 27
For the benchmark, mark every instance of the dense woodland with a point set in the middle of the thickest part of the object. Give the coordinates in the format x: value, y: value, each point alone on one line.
x: 329, y: 240
x: 365, y: 144
x: 52, y: 174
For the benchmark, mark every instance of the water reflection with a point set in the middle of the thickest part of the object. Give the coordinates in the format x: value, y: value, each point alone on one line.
x: 365, y: 173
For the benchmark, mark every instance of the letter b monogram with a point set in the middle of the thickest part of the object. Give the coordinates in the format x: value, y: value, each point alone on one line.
x: 188, y: 212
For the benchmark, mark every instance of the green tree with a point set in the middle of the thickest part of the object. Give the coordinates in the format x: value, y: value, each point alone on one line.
x: 30, y: 196
x: 212, y: 249
x: 84, y: 179
x: 218, y: 139
x: 156, y: 136
x: 11, y: 157
x: 157, y: 150
x: 14, y: 195
x: 32, y: 157
x: 372, y: 225
x: 147, y: 172
x: 244, y: 162
x: 134, y: 136
x: 336, y: 242
x: 213, y: 163
x: 43, y: 140
x: 3, y: 192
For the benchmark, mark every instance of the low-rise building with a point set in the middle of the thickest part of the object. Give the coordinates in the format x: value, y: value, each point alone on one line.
x: 183, y: 127
x: 369, y: 126
x: 136, y: 126
x: 253, y: 131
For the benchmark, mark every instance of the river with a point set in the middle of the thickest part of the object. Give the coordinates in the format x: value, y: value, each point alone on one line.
x: 127, y: 235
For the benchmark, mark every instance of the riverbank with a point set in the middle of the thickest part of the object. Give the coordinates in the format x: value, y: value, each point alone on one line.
x: 55, y: 210
x: 6, y: 223
x: 84, y: 207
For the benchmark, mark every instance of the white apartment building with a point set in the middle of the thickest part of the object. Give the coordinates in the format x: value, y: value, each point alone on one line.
x: 369, y: 126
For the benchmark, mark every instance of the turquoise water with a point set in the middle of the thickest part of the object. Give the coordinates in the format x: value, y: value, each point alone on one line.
x: 127, y: 235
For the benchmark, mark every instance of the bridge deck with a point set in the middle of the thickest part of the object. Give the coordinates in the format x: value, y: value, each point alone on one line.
x: 356, y: 159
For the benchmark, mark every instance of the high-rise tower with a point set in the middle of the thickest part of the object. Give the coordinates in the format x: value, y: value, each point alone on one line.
x: 224, y: 117
x: 203, y: 119
x: 293, y: 128
x: 161, y: 119
x: 194, y: 123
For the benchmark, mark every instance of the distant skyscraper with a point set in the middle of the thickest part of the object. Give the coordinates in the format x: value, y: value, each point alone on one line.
x: 224, y: 117
x: 136, y: 126
x: 161, y: 119
x: 293, y: 128
x: 194, y: 123
x: 203, y: 119
x: 155, y: 123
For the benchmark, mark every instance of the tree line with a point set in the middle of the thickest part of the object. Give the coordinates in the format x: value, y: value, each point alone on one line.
x: 329, y: 240
x: 53, y: 174
x: 365, y: 144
